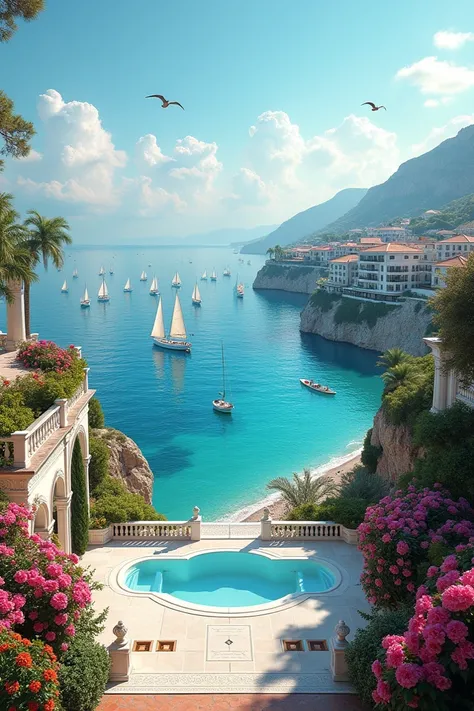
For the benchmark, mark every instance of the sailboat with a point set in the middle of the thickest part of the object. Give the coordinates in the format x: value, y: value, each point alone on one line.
x: 128, y: 287
x: 204, y: 276
x: 111, y: 270
x: 239, y: 289
x: 154, y: 291
x: 176, y: 340
x: 101, y: 271
x: 143, y: 276
x: 196, y: 297
x: 103, y: 294
x: 214, y: 275
x: 75, y: 274
x: 221, y: 404
x: 176, y: 281
x: 226, y: 272
x: 64, y: 288
x: 85, y: 301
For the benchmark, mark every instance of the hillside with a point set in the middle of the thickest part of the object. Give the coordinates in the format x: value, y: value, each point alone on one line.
x: 308, y: 221
x: 428, y: 182
x: 455, y: 213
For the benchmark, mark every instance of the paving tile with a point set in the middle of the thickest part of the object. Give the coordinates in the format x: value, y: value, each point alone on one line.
x: 233, y: 702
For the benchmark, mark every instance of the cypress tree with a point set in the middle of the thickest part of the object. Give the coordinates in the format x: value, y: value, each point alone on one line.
x: 79, y: 513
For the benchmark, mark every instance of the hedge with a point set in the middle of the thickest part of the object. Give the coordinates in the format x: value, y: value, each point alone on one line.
x: 83, y: 674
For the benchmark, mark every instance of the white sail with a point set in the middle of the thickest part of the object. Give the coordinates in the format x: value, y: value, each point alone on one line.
x: 75, y: 274
x: 158, y: 330
x: 214, y: 275
x: 196, y: 294
x: 102, y: 271
x: 176, y: 279
x: 178, y: 329
x: 127, y: 285
x: 204, y: 275
x: 143, y: 276
x: 86, y: 295
x: 64, y: 286
x: 103, y: 293
x: 154, y: 285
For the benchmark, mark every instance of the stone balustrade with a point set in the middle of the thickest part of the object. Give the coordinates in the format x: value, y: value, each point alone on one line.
x: 303, y: 530
x: 466, y: 395
x: 151, y: 530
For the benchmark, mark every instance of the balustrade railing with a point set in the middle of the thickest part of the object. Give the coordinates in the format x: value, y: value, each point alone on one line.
x: 151, y: 530
x: 466, y: 395
x: 38, y: 432
x: 305, y: 530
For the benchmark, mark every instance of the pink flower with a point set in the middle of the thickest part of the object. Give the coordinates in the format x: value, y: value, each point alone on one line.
x: 449, y: 563
x: 377, y: 669
x: 438, y: 615
x: 468, y: 578
x: 432, y: 571
x: 50, y: 586
x: 61, y: 619
x: 434, y: 633
x: 383, y: 690
x: 70, y: 630
x: 402, y: 547
x: 392, y: 639
x: 456, y: 631
x: 21, y: 576
x: 458, y: 598
x: 445, y: 581
x: 395, y: 655
x: 394, y: 570
x: 59, y: 601
x: 423, y: 604
x: 33, y: 615
x: 64, y: 580
x: 54, y: 570
x: 408, y: 675
x: 378, y: 582
x: 50, y: 636
x: 38, y: 627
x: 64, y: 647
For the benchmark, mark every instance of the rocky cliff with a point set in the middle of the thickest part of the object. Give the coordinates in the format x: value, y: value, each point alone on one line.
x: 375, y: 326
x: 127, y: 463
x: 284, y: 277
x: 398, y: 454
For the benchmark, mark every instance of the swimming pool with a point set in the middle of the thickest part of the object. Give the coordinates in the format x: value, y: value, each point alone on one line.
x: 229, y: 578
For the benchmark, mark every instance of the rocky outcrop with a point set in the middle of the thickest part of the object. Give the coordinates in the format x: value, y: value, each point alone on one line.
x: 375, y: 326
x: 398, y: 454
x: 127, y: 463
x: 287, y: 277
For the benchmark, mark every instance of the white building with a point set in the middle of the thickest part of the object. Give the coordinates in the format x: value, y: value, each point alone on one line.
x: 391, y: 268
x: 441, y: 270
x: 321, y: 254
x: 390, y: 234
x: 342, y: 272
x: 459, y: 244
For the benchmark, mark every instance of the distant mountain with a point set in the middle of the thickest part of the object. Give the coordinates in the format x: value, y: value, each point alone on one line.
x: 228, y: 236
x: 308, y: 221
x: 425, y: 183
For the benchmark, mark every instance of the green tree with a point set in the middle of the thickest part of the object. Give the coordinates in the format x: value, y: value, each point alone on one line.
x: 45, y: 242
x: 454, y: 307
x: 303, y: 489
x: 278, y: 252
x: 392, y: 357
x: 79, y: 512
x: 400, y: 374
x: 15, y: 132
x: 14, y: 259
x: 96, y: 414
x: 99, y: 464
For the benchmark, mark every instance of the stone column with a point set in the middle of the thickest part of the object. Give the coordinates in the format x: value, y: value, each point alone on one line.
x: 63, y: 513
x: 119, y: 652
x: 338, y: 652
x: 266, y: 526
x: 440, y: 385
x: 62, y: 402
x: 195, y: 523
x: 452, y: 388
x: 16, y: 330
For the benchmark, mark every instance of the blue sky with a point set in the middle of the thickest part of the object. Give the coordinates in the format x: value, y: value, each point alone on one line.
x: 272, y: 91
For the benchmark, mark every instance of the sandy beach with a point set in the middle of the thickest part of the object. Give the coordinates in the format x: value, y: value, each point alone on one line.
x: 277, y: 506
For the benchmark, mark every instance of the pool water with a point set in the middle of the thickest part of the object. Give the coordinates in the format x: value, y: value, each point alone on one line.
x: 229, y: 579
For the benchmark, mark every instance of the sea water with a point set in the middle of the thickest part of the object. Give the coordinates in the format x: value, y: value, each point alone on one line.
x: 163, y: 399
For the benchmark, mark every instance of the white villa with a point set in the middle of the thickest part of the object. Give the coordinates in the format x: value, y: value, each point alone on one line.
x: 391, y: 268
x: 441, y: 269
x: 342, y: 272
x: 35, y: 464
x: 459, y: 244
x: 390, y: 234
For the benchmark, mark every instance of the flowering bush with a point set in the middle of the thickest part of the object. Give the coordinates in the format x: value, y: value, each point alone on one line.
x: 28, y: 674
x: 431, y: 666
x: 43, y: 592
x: 399, y: 534
x: 47, y: 356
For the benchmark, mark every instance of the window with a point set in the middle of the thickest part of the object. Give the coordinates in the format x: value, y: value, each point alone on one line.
x: 415, y: 256
x: 405, y: 256
x: 391, y: 257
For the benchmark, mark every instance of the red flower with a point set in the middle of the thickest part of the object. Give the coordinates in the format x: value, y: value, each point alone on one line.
x: 12, y: 687
x: 33, y: 706
x: 49, y: 705
x: 4, y: 647
x: 50, y: 675
x: 24, y: 660
x: 35, y: 686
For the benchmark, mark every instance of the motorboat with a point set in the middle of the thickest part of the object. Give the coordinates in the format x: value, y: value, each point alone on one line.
x: 317, y: 387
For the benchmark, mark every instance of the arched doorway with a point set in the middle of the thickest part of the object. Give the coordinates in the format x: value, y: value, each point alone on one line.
x: 42, y: 524
x: 62, y: 513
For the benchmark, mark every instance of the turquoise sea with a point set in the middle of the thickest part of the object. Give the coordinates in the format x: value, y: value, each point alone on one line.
x: 163, y: 399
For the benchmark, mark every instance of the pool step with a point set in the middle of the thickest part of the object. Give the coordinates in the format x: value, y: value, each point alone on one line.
x: 299, y: 582
x: 158, y: 582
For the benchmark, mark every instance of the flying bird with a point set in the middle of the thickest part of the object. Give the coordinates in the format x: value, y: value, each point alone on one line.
x: 374, y: 107
x: 164, y: 102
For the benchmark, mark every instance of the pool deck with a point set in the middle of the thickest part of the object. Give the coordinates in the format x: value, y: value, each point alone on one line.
x: 264, y: 668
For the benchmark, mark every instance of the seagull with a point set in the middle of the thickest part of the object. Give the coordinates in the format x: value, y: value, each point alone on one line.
x: 164, y: 102
x: 374, y: 107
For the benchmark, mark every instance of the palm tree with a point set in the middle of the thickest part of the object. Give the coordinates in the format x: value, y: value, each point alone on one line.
x: 392, y: 357
x: 45, y: 241
x: 270, y: 252
x: 278, y: 252
x: 400, y: 374
x: 303, y: 489
x: 14, y: 259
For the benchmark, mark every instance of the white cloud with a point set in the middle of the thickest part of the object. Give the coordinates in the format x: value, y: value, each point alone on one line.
x: 441, y: 133
x: 248, y: 188
x: 446, y: 39
x: 148, y: 151
x: 434, y: 76
x: 434, y: 103
x: 155, y: 200
x: 81, y: 158
x: 32, y: 157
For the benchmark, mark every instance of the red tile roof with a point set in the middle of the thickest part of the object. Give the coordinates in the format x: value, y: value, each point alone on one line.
x: 458, y: 239
x: 394, y: 247
x: 458, y: 261
x: 370, y: 240
x: 345, y: 258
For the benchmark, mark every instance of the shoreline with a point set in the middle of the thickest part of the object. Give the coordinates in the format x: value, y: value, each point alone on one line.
x: 334, y: 468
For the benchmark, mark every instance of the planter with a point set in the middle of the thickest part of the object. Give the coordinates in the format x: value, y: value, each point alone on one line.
x: 100, y: 536
x: 350, y: 535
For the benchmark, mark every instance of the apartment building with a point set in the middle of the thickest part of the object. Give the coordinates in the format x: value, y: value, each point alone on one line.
x: 459, y: 244
x: 342, y: 272
x: 442, y: 269
x: 392, y: 268
x: 390, y: 234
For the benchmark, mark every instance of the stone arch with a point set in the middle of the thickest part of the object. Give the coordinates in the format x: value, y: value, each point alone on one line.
x: 61, y: 510
x: 42, y: 523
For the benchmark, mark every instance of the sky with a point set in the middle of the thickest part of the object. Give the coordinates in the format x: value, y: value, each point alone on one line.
x: 272, y: 92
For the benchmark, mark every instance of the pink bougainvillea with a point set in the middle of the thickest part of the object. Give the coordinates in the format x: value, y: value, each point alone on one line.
x: 47, y: 356
x: 397, y: 535
x: 432, y: 665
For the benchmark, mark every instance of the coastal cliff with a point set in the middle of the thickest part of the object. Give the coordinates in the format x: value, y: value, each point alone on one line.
x: 397, y: 451
x: 286, y: 277
x: 375, y: 326
x: 127, y: 463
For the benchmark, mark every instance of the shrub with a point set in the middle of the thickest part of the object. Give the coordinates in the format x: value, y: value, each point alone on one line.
x: 28, y: 674
x: 431, y: 665
x: 348, y: 512
x: 410, y: 397
x: 366, y: 645
x: 99, y: 463
x: 355, y: 311
x: 113, y: 502
x: 14, y: 414
x: 96, y: 414
x: 83, y: 674
x: 47, y: 356
x: 395, y: 539
x: 321, y: 299
x: 79, y: 509
x: 370, y: 453
x: 361, y: 484
x: 44, y: 592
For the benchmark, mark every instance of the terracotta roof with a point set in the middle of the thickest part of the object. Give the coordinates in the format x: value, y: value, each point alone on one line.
x: 323, y: 248
x: 394, y: 247
x: 349, y: 244
x: 458, y: 261
x: 370, y: 240
x: 345, y: 258
x: 457, y: 239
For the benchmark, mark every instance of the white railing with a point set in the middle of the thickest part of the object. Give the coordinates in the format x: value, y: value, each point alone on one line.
x: 230, y: 530
x: 466, y: 395
x: 151, y: 530
x: 38, y: 432
x: 77, y: 395
x: 303, y: 530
